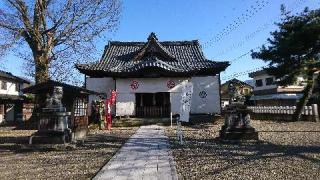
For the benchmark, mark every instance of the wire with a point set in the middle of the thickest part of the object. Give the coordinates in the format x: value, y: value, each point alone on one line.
x: 238, y: 74
x: 250, y: 36
x: 249, y: 13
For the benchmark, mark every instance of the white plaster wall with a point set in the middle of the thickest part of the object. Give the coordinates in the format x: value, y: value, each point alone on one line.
x: 264, y: 86
x: 125, y: 105
x: 206, y: 95
x: 126, y: 95
x: 209, y: 84
x: 11, y: 88
x: 101, y: 85
x: 149, y: 85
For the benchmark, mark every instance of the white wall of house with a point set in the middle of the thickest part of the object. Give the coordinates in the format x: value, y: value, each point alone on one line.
x: 11, y: 88
x: 297, y: 86
x: 205, y: 98
x: 263, y: 77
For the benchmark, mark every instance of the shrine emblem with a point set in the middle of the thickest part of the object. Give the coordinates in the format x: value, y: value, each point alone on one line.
x: 203, y: 94
x: 171, y: 84
x: 134, y: 85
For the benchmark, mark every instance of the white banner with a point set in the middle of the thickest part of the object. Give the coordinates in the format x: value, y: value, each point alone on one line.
x: 186, y: 97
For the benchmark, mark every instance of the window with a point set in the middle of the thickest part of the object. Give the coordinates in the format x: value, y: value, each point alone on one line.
x: 259, y: 83
x: 80, y: 107
x: 4, y: 85
x: 269, y: 81
x: 245, y: 91
x: 17, y: 87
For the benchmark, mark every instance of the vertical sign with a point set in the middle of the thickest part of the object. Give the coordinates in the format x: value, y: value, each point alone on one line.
x: 186, y: 96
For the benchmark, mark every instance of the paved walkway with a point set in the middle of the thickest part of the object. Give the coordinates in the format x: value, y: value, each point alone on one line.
x: 144, y: 156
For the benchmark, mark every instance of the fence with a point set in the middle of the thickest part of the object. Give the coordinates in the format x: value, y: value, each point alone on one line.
x: 153, y: 111
x: 284, y: 112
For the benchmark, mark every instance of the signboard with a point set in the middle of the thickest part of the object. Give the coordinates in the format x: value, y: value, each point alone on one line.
x: 186, y: 96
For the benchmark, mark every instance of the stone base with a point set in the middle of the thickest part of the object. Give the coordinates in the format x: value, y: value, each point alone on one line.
x: 50, y: 137
x: 238, y: 133
x: 79, y: 134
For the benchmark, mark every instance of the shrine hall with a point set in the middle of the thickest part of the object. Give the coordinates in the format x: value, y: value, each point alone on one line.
x: 150, y: 76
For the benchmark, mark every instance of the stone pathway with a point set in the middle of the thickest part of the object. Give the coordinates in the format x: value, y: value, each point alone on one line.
x: 144, y: 156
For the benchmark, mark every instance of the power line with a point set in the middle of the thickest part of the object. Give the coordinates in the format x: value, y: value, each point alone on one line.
x: 260, y: 29
x: 254, y: 9
x: 238, y: 74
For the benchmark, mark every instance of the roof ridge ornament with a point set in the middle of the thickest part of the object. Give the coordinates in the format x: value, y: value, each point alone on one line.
x: 153, y: 47
x: 152, y: 36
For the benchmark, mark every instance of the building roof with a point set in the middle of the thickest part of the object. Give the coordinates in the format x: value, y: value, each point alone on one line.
x: 236, y: 81
x: 10, y: 76
x: 294, y: 96
x: 258, y: 73
x: 224, y: 87
x: 50, y: 84
x: 152, y: 58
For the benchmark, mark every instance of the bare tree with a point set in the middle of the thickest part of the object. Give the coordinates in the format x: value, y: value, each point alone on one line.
x: 59, y: 33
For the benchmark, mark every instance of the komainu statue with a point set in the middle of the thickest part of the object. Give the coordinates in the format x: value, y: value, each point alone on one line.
x: 237, y: 118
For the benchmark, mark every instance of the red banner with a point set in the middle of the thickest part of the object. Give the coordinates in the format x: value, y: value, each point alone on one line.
x: 109, y: 103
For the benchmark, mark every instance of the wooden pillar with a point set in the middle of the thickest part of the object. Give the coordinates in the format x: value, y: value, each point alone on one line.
x: 154, y: 99
x: 141, y: 100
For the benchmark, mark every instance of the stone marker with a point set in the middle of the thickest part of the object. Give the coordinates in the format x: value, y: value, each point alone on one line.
x: 237, y: 118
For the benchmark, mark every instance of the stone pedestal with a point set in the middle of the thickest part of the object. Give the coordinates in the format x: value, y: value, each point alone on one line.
x: 237, y: 124
x: 52, y: 128
x: 53, y: 122
x: 238, y: 133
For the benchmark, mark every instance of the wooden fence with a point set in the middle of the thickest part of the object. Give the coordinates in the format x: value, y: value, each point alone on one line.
x: 284, y: 112
x: 153, y: 111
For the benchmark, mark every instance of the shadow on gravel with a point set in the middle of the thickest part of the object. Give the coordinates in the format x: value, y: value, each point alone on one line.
x: 98, y: 141
x: 240, y: 153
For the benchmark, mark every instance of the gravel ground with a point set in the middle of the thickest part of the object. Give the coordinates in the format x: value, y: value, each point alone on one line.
x: 288, y: 150
x: 73, y: 161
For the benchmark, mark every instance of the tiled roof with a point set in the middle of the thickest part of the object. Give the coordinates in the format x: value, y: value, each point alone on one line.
x: 167, y: 58
x: 10, y: 76
x: 50, y: 84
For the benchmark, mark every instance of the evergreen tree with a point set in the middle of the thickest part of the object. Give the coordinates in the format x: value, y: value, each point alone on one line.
x: 294, y: 50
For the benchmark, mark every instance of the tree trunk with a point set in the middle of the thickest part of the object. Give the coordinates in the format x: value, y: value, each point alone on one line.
x: 41, y: 69
x: 41, y: 75
x: 307, y: 93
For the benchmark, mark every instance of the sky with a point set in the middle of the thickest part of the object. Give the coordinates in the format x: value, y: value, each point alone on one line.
x: 227, y: 29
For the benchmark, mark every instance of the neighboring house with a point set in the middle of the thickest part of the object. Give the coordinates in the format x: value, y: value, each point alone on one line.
x: 149, y: 77
x: 267, y: 93
x: 11, y: 98
x: 244, y: 89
